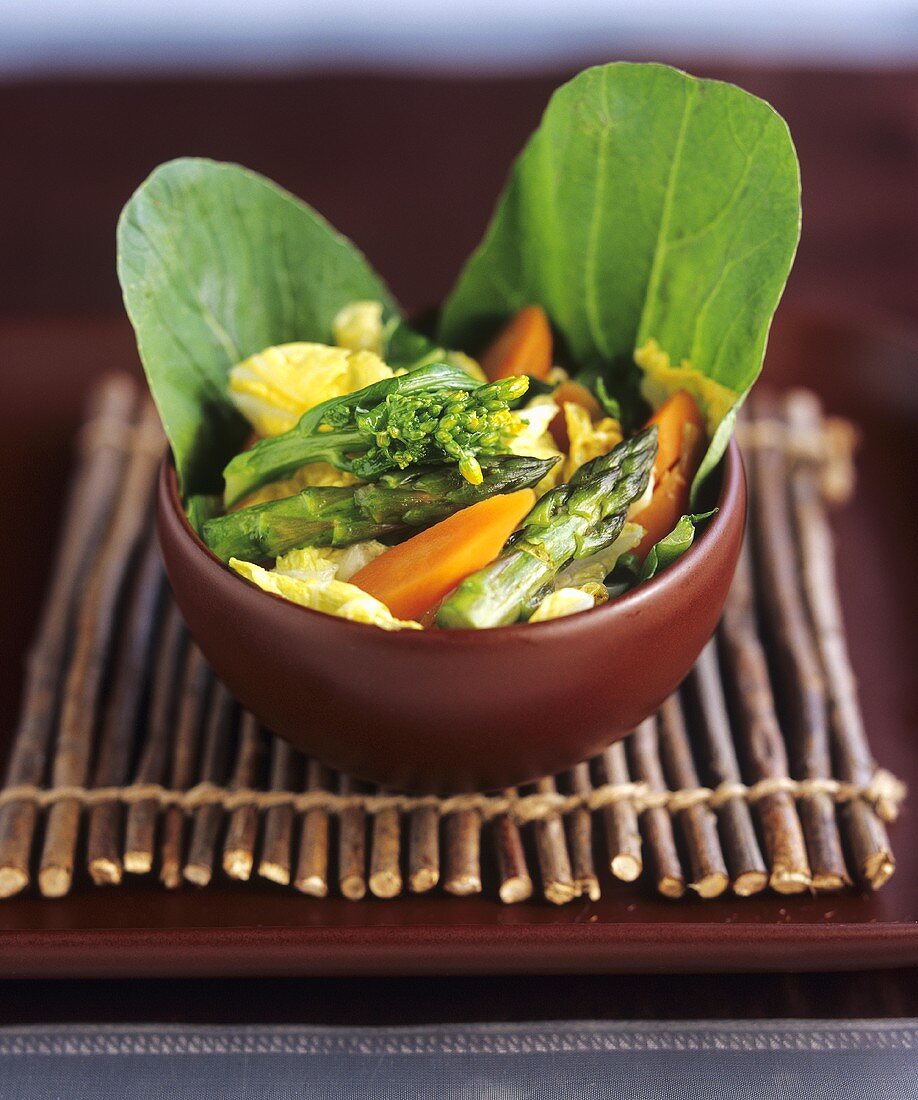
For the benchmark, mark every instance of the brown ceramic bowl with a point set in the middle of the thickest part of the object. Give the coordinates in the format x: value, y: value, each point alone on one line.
x: 454, y: 709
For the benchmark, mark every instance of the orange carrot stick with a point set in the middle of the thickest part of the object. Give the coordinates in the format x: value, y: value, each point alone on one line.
x: 523, y: 346
x: 671, y: 419
x: 681, y: 444
x: 413, y: 576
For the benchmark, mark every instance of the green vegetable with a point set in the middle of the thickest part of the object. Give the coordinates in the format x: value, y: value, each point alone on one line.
x: 217, y: 263
x: 673, y: 546
x: 200, y: 509
x: 333, y: 516
x: 575, y: 520
x: 625, y: 575
x: 647, y: 205
x: 435, y: 413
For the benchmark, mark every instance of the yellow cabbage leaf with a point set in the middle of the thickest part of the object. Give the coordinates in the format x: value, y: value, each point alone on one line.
x: 587, y: 440
x: 588, y: 574
x: 306, y: 477
x: 536, y: 441
x: 333, y: 597
x: 359, y: 327
x: 327, y: 562
x: 273, y: 388
x: 561, y: 602
x: 661, y: 380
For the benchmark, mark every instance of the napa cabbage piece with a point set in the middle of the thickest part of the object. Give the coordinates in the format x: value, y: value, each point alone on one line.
x: 275, y: 387
x: 534, y: 440
x: 325, y: 594
x: 359, y: 327
x: 312, y: 475
x: 589, y: 574
x: 329, y: 563
x: 587, y: 440
x: 660, y: 380
x: 561, y: 602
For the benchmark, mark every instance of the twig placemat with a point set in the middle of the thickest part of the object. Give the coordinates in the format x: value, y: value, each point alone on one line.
x: 756, y: 774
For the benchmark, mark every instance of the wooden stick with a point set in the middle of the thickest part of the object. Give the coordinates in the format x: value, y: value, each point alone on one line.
x: 796, y: 660
x: 120, y: 724
x: 462, y: 855
x: 558, y: 883
x: 423, y: 849
x: 95, y: 630
x: 656, y: 823
x: 274, y: 864
x: 385, y: 852
x: 206, y: 820
x: 352, y: 844
x: 714, y: 740
x: 312, y: 866
x: 196, y: 680
x: 140, y: 830
x: 620, y: 819
x: 239, y: 846
x: 91, y: 499
x: 515, y: 880
x: 580, y: 835
x: 698, y: 823
x: 866, y: 833
x: 759, y: 733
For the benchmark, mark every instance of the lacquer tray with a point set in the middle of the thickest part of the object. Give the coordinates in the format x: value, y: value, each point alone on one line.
x: 137, y: 929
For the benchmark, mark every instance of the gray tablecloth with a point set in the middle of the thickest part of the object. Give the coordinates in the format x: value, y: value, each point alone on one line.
x: 873, y: 1060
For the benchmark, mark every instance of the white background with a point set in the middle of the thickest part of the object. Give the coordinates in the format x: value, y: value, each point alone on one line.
x: 38, y: 36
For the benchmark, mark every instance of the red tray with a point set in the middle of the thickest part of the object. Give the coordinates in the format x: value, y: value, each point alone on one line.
x: 866, y: 372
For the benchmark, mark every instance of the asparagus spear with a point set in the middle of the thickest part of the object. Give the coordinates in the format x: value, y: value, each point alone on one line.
x: 333, y: 516
x: 435, y: 413
x: 573, y: 521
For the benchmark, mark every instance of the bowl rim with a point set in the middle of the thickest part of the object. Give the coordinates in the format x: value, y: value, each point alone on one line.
x: 729, y: 499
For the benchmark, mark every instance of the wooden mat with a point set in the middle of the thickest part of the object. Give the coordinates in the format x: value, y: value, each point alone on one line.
x: 131, y: 759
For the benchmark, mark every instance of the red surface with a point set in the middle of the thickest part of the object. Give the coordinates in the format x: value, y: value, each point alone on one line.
x: 81, y: 148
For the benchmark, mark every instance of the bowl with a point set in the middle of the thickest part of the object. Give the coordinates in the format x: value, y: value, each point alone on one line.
x: 454, y: 710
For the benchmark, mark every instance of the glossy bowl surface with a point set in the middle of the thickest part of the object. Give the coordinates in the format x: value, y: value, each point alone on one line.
x: 462, y: 709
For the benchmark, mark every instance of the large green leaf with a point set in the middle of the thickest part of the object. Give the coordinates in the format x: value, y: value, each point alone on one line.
x: 217, y: 263
x: 648, y: 205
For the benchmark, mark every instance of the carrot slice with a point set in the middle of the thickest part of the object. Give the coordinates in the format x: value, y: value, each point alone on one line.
x: 523, y: 346
x: 413, y: 576
x: 578, y: 395
x: 677, y: 417
x: 669, y: 502
x: 680, y: 450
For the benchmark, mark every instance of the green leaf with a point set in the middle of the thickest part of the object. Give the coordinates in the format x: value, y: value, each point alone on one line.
x: 217, y: 263
x: 674, y: 545
x: 647, y: 205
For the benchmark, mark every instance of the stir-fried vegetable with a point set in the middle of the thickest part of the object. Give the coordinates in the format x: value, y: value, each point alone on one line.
x: 435, y: 413
x: 576, y: 520
x: 396, y: 501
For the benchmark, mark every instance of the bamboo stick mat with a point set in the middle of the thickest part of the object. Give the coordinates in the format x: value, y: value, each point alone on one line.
x: 131, y: 759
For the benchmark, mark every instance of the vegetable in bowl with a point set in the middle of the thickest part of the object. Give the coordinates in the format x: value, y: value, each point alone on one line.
x: 618, y: 305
